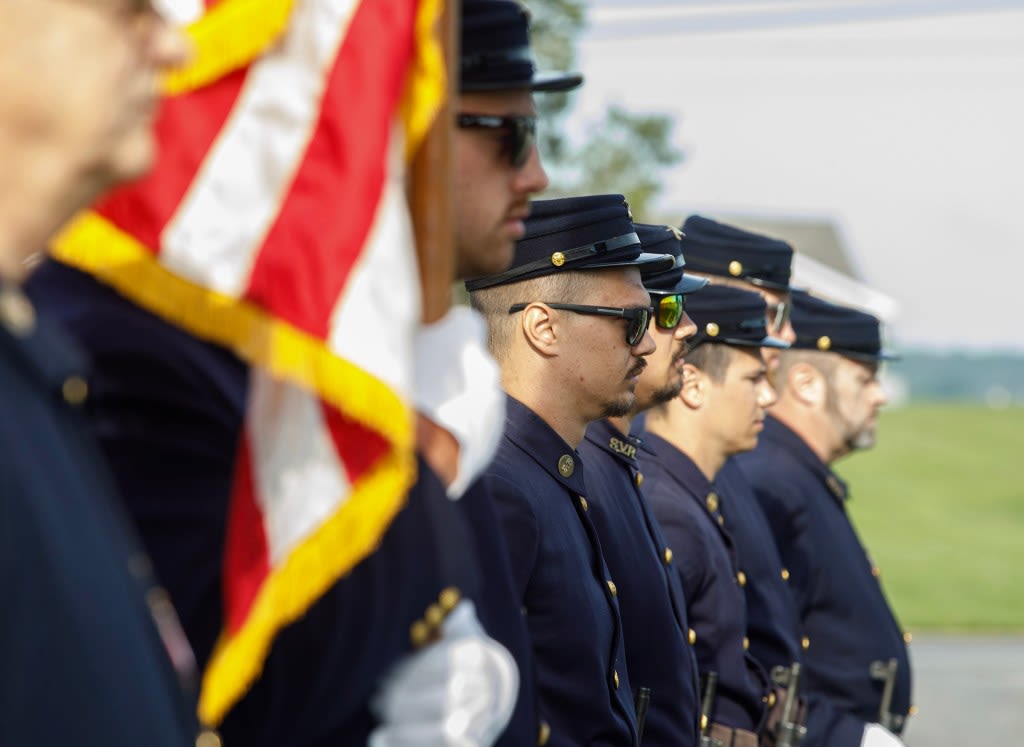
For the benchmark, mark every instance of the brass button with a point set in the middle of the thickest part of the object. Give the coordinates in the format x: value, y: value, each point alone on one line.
x: 434, y: 615
x: 703, y: 722
x: 419, y: 633
x: 770, y: 699
x: 741, y: 578
x: 876, y: 571
x: 667, y: 555
x: 746, y: 643
x: 208, y: 738
x: 613, y: 588
x: 785, y: 574
x: 907, y: 638
x: 583, y: 503
x: 712, y: 329
x: 558, y: 259
x: 824, y: 342
x: 566, y: 465
x: 16, y: 312
x: 805, y: 643
x: 75, y: 390
x: 543, y: 734
x: 712, y: 501
x: 721, y: 520
x: 691, y: 636
x: 735, y: 268
x: 449, y: 599
x: 638, y: 479
x: 615, y: 679
x: 912, y: 711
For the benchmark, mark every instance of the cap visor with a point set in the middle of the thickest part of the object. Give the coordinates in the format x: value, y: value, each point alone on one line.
x: 743, y: 342
x: 650, y: 263
x: 773, y: 342
x: 882, y: 355
x: 690, y: 284
x: 771, y: 285
x: 554, y: 82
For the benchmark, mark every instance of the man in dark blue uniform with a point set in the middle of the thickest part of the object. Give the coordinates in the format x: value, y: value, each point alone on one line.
x: 662, y: 667
x: 731, y: 256
x: 829, y: 397
x: 568, y: 324
x: 168, y: 408
x: 92, y: 651
x: 717, y: 413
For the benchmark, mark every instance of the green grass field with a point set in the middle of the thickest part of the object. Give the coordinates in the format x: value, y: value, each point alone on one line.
x: 939, y: 503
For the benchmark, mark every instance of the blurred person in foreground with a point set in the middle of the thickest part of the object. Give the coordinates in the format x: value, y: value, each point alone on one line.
x: 855, y: 657
x: 375, y: 657
x: 92, y: 651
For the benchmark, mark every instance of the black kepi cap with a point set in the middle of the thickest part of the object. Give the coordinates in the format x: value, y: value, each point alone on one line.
x: 832, y: 328
x: 730, y: 316
x: 575, y: 233
x: 496, y: 52
x: 726, y: 251
x: 662, y: 239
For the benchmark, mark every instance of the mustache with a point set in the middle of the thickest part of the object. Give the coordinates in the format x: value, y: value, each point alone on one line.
x: 637, y: 369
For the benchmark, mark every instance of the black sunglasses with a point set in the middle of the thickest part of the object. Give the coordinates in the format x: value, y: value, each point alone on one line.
x: 639, y: 317
x: 668, y: 308
x: 518, y: 133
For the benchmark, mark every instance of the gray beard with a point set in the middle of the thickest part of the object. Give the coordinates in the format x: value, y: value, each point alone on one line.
x: 863, y: 439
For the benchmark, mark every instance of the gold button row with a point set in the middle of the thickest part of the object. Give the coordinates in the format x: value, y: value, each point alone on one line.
x: 428, y: 628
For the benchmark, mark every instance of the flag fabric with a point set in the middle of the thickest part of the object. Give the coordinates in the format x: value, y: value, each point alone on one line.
x: 275, y: 223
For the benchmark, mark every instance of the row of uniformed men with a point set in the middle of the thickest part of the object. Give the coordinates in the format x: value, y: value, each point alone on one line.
x: 554, y: 561
x: 639, y: 543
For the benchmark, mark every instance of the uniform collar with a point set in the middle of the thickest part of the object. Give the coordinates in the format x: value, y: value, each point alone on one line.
x: 529, y: 432
x: 623, y: 447
x: 679, y: 466
x: 788, y: 439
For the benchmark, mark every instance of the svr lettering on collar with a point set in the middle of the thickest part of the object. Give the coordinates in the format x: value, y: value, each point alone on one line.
x: 621, y: 447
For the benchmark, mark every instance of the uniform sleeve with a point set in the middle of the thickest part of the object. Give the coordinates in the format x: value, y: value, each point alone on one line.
x: 323, y: 670
x: 520, y: 526
x: 828, y: 726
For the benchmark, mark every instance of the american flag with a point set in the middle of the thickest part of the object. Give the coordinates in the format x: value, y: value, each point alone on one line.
x: 275, y: 223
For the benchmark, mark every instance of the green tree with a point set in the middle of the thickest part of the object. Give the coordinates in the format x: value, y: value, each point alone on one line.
x: 626, y: 152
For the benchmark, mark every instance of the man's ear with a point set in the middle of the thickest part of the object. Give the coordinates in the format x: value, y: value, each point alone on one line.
x: 807, y: 384
x: 695, y: 384
x: 541, y: 328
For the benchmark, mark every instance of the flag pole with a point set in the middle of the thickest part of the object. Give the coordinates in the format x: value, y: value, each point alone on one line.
x: 430, y: 186
x: 431, y: 205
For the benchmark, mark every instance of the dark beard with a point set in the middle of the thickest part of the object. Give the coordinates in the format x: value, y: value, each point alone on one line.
x: 620, y: 408
x: 666, y: 394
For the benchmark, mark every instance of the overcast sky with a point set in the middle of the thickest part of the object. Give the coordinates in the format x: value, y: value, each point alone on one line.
x: 902, y: 121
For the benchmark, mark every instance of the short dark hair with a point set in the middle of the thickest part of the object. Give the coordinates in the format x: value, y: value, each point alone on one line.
x: 494, y: 302
x: 713, y: 358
